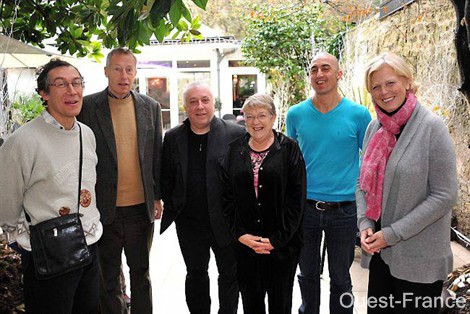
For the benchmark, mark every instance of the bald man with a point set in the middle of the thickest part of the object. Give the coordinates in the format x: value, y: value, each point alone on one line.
x: 330, y: 130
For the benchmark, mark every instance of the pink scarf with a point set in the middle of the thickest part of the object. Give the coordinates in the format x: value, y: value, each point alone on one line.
x: 377, y: 153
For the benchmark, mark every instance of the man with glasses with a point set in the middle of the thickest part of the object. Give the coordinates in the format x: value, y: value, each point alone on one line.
x: 39, y: 166
x: 330, y: 130
x: 192, y: 194
x: 128, y: 130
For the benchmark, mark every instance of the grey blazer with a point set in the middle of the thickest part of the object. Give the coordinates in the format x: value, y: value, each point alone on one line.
x: 97, y: 115
x: 420, y: 189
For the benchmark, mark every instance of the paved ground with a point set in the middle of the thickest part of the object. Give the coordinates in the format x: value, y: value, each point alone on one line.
x: 168, y: 274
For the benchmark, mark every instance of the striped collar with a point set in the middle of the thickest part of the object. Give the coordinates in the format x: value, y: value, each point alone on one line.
x: 115, y: 97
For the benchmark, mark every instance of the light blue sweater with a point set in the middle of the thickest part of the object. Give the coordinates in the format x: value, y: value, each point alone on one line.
x: 330, y: 144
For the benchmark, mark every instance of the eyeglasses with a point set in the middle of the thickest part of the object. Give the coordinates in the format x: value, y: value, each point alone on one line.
x: 261, y: 117
x: 77, y: 83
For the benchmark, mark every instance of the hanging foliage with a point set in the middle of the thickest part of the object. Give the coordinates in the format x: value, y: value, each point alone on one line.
x: 82, y: 27
x: 281, y: 40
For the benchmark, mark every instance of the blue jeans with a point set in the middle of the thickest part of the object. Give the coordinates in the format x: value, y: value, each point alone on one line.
x: 339, y: 226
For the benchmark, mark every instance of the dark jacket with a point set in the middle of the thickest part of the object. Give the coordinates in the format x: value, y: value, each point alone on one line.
x: 175, y: 167
x: 277, y: 213
x: 97, y: 115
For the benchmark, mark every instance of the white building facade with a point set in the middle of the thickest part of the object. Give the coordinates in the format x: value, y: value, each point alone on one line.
x: 165, y: 69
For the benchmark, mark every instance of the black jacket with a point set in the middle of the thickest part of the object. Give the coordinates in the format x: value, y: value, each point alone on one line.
x: 175, y: 167
x: 277, y: 213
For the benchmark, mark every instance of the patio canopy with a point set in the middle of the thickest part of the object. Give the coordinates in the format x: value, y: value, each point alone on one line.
x: 15, y: 54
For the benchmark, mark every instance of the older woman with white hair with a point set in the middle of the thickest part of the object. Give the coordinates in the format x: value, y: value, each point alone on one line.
x: 264, y: 199
x: 406, y: 191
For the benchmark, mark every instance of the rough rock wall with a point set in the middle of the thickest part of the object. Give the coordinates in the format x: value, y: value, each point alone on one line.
x: 423, y: 33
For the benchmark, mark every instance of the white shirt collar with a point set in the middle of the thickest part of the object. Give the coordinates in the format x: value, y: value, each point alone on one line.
x: 52, y: 121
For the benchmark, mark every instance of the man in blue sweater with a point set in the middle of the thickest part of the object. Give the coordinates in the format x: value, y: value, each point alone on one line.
x: 330, y: 130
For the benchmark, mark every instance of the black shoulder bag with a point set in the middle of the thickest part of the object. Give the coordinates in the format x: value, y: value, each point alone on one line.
x: 58, y: 245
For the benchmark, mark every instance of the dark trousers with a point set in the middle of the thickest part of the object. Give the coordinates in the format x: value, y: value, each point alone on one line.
x: 259, y: 275
x: 73, y: 292
x: 339, y: 226
x: 387, y: 294
x: 131, y: 231
x: 195, y: 243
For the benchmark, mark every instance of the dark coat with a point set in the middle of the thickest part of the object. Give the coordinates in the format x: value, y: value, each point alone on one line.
x: 175, y: 168
x: 277, y: 213
x: 97, y: 115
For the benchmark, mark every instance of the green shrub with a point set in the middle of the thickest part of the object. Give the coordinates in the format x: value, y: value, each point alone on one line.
x: 25, y: 108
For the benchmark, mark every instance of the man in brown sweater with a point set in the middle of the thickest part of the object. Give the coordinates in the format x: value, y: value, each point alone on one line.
x: 128, y: 130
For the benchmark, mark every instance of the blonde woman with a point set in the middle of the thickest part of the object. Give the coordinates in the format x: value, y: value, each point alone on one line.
x: 406, y: 191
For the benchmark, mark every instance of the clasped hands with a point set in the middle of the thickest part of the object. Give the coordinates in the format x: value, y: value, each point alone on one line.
x: 258, y: 244
x: 372, y: 242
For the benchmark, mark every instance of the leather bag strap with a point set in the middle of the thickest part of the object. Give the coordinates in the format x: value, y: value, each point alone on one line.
x: 80, y: 167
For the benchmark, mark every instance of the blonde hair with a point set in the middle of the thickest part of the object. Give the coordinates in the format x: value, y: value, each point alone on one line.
x: 260, y: 101
x: 396, y: 62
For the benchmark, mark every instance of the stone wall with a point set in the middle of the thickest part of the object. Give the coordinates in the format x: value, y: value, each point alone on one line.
x: 423, y: 33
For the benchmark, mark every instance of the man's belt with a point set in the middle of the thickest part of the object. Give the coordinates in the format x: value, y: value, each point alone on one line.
x: 321, y: 205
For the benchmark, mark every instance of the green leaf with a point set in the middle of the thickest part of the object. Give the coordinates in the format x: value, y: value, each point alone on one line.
x: 182, y: 25
x: 169, y: 28
x: 201, y: 3
x: 196, y: 22
x: 198, y: 36
x: 144, y: 34
x: 175, y: 13
x: 96, y: 56
x: 160, y: 31
x: 84, y: 43
x: 145, y: 13
x: 159, y: 10
x: 72, y: 49
x: 185, y: 12
x: 175, y: 35
x: 96, y: 46
x: 76, y: 32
